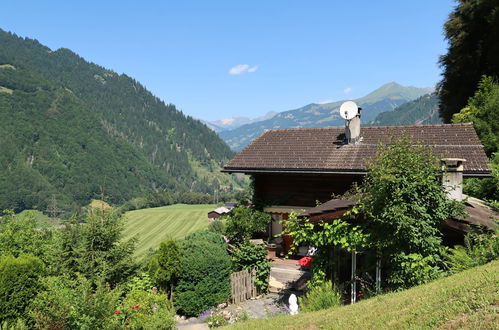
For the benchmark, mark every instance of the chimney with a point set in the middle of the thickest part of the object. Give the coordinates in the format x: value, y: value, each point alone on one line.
x: 352, y: 128
x: 452, y: 179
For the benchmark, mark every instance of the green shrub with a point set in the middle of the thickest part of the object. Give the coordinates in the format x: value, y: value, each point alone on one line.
x: 216, y: 320
x: 24, y: 235
x: 73, y: 304
x: 165, y: 267
x: 242, y: 223
x: 204, y: 281
x: 205, y: 235
x: 145, y: 309
x: 413, y: 269
x: 478, y: 249
x: 18, y: 324
x: 19, y: 284
x: 140, y: 282
x: 217, y: 226
x: 248, y: 255
x: 323, y: 296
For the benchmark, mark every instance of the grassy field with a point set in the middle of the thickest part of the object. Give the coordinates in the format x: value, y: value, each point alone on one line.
x: 468, y: 300
x: 160, y: 223
x: 42, y: 219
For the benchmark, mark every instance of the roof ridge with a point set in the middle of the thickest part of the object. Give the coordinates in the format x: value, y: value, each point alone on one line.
x: 386, y: 126
x: 422, y: 125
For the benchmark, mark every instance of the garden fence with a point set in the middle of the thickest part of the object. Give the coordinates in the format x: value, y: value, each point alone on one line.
x: 243, y: 285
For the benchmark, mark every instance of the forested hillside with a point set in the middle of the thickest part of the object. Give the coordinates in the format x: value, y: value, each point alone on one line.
x: 423, y: 110
x: 71, y: 128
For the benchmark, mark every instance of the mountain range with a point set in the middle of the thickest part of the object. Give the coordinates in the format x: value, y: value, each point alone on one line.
x: 235, y: 122
x: 385, y: 98
x: 73, y: 130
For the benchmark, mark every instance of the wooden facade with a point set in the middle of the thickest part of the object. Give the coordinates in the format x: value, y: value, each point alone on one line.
x: 301, y: 189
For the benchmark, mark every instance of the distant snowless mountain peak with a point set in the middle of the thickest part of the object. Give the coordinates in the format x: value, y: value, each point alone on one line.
x: 238, y: 132
x: 389, y: 89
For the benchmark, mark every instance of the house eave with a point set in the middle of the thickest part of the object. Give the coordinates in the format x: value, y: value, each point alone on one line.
x: 294, y: 171
x: 468, y: 174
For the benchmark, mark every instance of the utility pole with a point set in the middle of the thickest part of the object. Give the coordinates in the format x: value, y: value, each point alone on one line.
x: 52, y: 209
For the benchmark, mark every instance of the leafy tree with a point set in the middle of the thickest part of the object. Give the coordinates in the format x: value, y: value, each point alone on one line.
x: 243, y: 222
x: 19, y: 283
x: 472, y: 31
x: 165, y: 267
x: 403, y: 203
x: 483, y: 111
x: 23, y: 235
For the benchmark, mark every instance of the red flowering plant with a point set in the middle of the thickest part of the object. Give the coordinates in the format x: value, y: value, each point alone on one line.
x: 143, y: 309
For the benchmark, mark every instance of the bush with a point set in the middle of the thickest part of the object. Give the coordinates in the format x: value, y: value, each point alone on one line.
x: 323, y: 296
x: 221, y: 317
x: 248, y: 255
x: 478, y: 249
x: 22, y: 234
x: 413, y: 269
x: 205, y: 277
x: 145, y: 309
x: 18, y: 324
x: 217, y: 226
x: 165, y: 267
x: 19, y: 284
x: 73, y: 304
x: 242, y: 223
x: 205, y: 235
x: 140, y: 282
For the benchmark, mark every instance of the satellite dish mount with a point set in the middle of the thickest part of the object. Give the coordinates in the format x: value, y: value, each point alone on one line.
x: 351, y: 113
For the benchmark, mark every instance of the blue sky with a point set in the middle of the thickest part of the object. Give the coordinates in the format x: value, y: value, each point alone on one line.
x: 218, y: 59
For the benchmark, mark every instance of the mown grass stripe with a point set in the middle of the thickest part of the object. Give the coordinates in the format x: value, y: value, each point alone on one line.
x: 158, y: 224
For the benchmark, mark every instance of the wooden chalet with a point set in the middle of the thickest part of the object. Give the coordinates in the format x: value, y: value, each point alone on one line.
x: 294, y: 169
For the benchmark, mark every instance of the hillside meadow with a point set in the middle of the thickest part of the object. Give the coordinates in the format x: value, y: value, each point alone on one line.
x: 467, y: 300
x: 155, y: 225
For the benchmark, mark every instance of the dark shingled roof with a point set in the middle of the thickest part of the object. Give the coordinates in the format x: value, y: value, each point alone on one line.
x: 323, y: 150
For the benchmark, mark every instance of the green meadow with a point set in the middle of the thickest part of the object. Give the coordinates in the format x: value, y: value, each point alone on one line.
x: 154, y: 225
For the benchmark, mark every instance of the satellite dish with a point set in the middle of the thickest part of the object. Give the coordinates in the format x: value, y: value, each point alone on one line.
x: 349, y: 110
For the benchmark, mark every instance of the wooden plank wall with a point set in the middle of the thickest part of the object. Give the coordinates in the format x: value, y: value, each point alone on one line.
x: 303, y: 189
x: 243, y: 285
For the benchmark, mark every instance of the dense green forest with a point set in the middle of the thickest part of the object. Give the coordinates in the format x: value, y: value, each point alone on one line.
x: 73, y: 129
x: 423, y: 110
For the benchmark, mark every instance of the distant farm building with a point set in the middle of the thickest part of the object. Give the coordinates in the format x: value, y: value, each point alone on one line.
x: 212, y: 215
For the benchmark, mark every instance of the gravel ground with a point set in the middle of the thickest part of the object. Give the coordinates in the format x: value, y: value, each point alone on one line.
x: 270, y: 305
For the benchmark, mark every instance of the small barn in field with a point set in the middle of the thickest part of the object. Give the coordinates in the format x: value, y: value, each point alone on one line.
x: 213, y: 215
